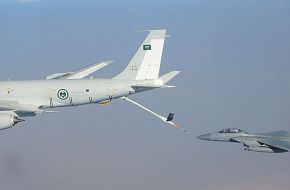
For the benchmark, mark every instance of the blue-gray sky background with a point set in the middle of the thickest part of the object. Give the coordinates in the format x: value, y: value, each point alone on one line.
x: 235, y: 63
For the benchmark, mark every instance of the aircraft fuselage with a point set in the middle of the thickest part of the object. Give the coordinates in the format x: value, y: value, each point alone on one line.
x: 61, y: 93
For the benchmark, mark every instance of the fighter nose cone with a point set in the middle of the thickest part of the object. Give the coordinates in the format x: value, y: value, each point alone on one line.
x: 204, y: 137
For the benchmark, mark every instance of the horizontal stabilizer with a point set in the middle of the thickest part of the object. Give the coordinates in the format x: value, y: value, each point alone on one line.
x: 79, y: 74
x: 158, y: 83
x: 167, y: 77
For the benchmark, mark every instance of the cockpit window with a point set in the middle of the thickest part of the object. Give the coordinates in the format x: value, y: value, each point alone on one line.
x: 231, y: 130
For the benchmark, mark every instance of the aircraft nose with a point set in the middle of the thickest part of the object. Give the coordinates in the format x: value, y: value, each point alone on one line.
x: 204, y: 137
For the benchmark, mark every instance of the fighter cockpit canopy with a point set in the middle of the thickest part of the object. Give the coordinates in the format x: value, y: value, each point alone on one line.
x: 231, y: 130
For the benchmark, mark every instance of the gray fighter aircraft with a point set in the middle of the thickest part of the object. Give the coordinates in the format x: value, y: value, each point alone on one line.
x: 272, y: 142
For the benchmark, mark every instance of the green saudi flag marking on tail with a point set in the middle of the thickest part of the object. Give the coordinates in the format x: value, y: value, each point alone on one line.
x: 146, y: 47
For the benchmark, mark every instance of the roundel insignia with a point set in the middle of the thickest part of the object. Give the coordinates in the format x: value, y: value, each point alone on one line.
x: 62, y: 94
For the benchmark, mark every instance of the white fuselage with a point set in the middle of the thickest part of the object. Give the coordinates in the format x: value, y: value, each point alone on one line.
x: 60, y: 93
x: 27, y: 98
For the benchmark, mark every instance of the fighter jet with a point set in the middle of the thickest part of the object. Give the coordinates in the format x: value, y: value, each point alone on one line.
x: 272, y: 142
x: 19, y: 99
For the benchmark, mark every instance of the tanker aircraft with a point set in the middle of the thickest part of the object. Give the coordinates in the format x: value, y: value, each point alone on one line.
x: 19, y: 99
x: 272, y: 142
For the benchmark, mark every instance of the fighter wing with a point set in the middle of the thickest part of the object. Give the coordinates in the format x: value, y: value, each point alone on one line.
x: 79, y: 74
x: 245, y: 141
x: 276, y: 143
x: 271, y: 143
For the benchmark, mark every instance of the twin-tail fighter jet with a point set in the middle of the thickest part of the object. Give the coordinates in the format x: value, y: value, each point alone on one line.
x: 272, y: 142
x: 19, y: 99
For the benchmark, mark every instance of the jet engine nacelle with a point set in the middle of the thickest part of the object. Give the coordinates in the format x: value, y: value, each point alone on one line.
x: 259, y: 149
x: 8, y: 120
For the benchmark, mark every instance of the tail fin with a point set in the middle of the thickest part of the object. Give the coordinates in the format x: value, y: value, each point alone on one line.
x: 145, y: 64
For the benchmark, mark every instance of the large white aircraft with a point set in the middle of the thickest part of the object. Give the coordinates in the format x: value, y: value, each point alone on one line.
x: 19, y: 99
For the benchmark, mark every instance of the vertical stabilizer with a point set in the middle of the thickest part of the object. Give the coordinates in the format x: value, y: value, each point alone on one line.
x: 145, y: 64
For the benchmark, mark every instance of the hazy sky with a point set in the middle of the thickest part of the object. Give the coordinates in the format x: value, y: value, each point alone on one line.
x: 235, y: 63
